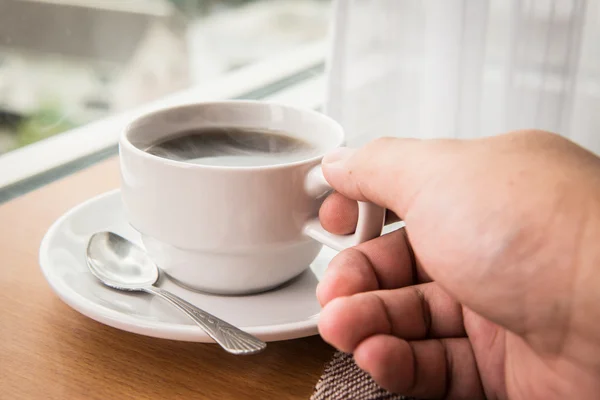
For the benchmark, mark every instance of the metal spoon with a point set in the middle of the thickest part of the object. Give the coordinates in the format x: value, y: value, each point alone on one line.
x: 120, y: 264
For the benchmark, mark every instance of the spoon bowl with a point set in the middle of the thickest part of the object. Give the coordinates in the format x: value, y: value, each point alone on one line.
x: 119, y: 263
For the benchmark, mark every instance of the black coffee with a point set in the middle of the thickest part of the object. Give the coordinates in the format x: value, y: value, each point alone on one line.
x: 233, y: 146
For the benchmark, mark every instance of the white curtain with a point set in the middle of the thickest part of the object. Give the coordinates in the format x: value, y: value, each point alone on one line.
x: 465, y: 68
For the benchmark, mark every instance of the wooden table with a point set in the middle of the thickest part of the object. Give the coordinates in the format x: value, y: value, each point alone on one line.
x: 49, y: 351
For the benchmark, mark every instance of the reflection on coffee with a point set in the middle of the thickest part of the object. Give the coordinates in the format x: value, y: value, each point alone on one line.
x: 233, y: 146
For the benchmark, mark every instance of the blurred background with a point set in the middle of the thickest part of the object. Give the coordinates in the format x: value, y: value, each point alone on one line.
x: 416, y: 68
x: 65, y: 63
x: 466, y: 68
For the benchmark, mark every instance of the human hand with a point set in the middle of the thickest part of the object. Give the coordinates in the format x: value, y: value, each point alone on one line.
x: 492, y: 289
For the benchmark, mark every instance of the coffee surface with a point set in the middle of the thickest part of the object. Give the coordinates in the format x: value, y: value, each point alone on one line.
x: 233, y: 146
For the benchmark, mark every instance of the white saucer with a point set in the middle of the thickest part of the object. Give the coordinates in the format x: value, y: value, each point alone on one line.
x: 289, y: 312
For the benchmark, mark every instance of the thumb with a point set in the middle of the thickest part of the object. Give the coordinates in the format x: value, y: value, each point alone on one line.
x: 389, y: 172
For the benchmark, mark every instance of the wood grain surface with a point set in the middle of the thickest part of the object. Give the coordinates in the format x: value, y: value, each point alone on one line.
x: 49, y: 351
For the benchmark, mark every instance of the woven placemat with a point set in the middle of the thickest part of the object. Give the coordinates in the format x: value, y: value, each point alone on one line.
x: 343, y: 379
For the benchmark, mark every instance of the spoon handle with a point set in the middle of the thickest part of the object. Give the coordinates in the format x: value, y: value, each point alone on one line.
x: 232, y: 339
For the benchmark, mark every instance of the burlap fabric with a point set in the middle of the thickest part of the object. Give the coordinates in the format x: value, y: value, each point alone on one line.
x: 342, y: 379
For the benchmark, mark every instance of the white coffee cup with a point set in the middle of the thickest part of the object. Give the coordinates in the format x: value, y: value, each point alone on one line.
x: 232, y: 230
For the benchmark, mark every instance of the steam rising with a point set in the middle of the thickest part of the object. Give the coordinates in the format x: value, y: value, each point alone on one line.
x: 233, y: 146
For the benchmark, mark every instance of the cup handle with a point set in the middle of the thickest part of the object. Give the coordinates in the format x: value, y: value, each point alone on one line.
x: 371, y: 217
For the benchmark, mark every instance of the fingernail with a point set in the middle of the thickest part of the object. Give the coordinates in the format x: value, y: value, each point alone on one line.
x: 338, y: 156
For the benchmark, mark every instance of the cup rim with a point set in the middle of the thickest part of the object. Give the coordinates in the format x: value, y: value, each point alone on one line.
x: 124, y: 141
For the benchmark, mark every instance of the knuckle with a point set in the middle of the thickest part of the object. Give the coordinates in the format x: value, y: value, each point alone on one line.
x: 380, y: 143
x: 349, y: 256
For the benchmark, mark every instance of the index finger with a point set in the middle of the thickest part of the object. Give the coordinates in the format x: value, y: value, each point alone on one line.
x: 339, y: 214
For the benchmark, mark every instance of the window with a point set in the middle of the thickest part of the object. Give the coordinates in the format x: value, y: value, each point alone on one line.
x: 66, y: 63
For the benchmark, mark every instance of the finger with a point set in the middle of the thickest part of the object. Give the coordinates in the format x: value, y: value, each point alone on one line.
x: 414, y: 312
x: 385, y: 262
x: 339, y: 215
x: 388, y: 171
x: 436, y: 368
